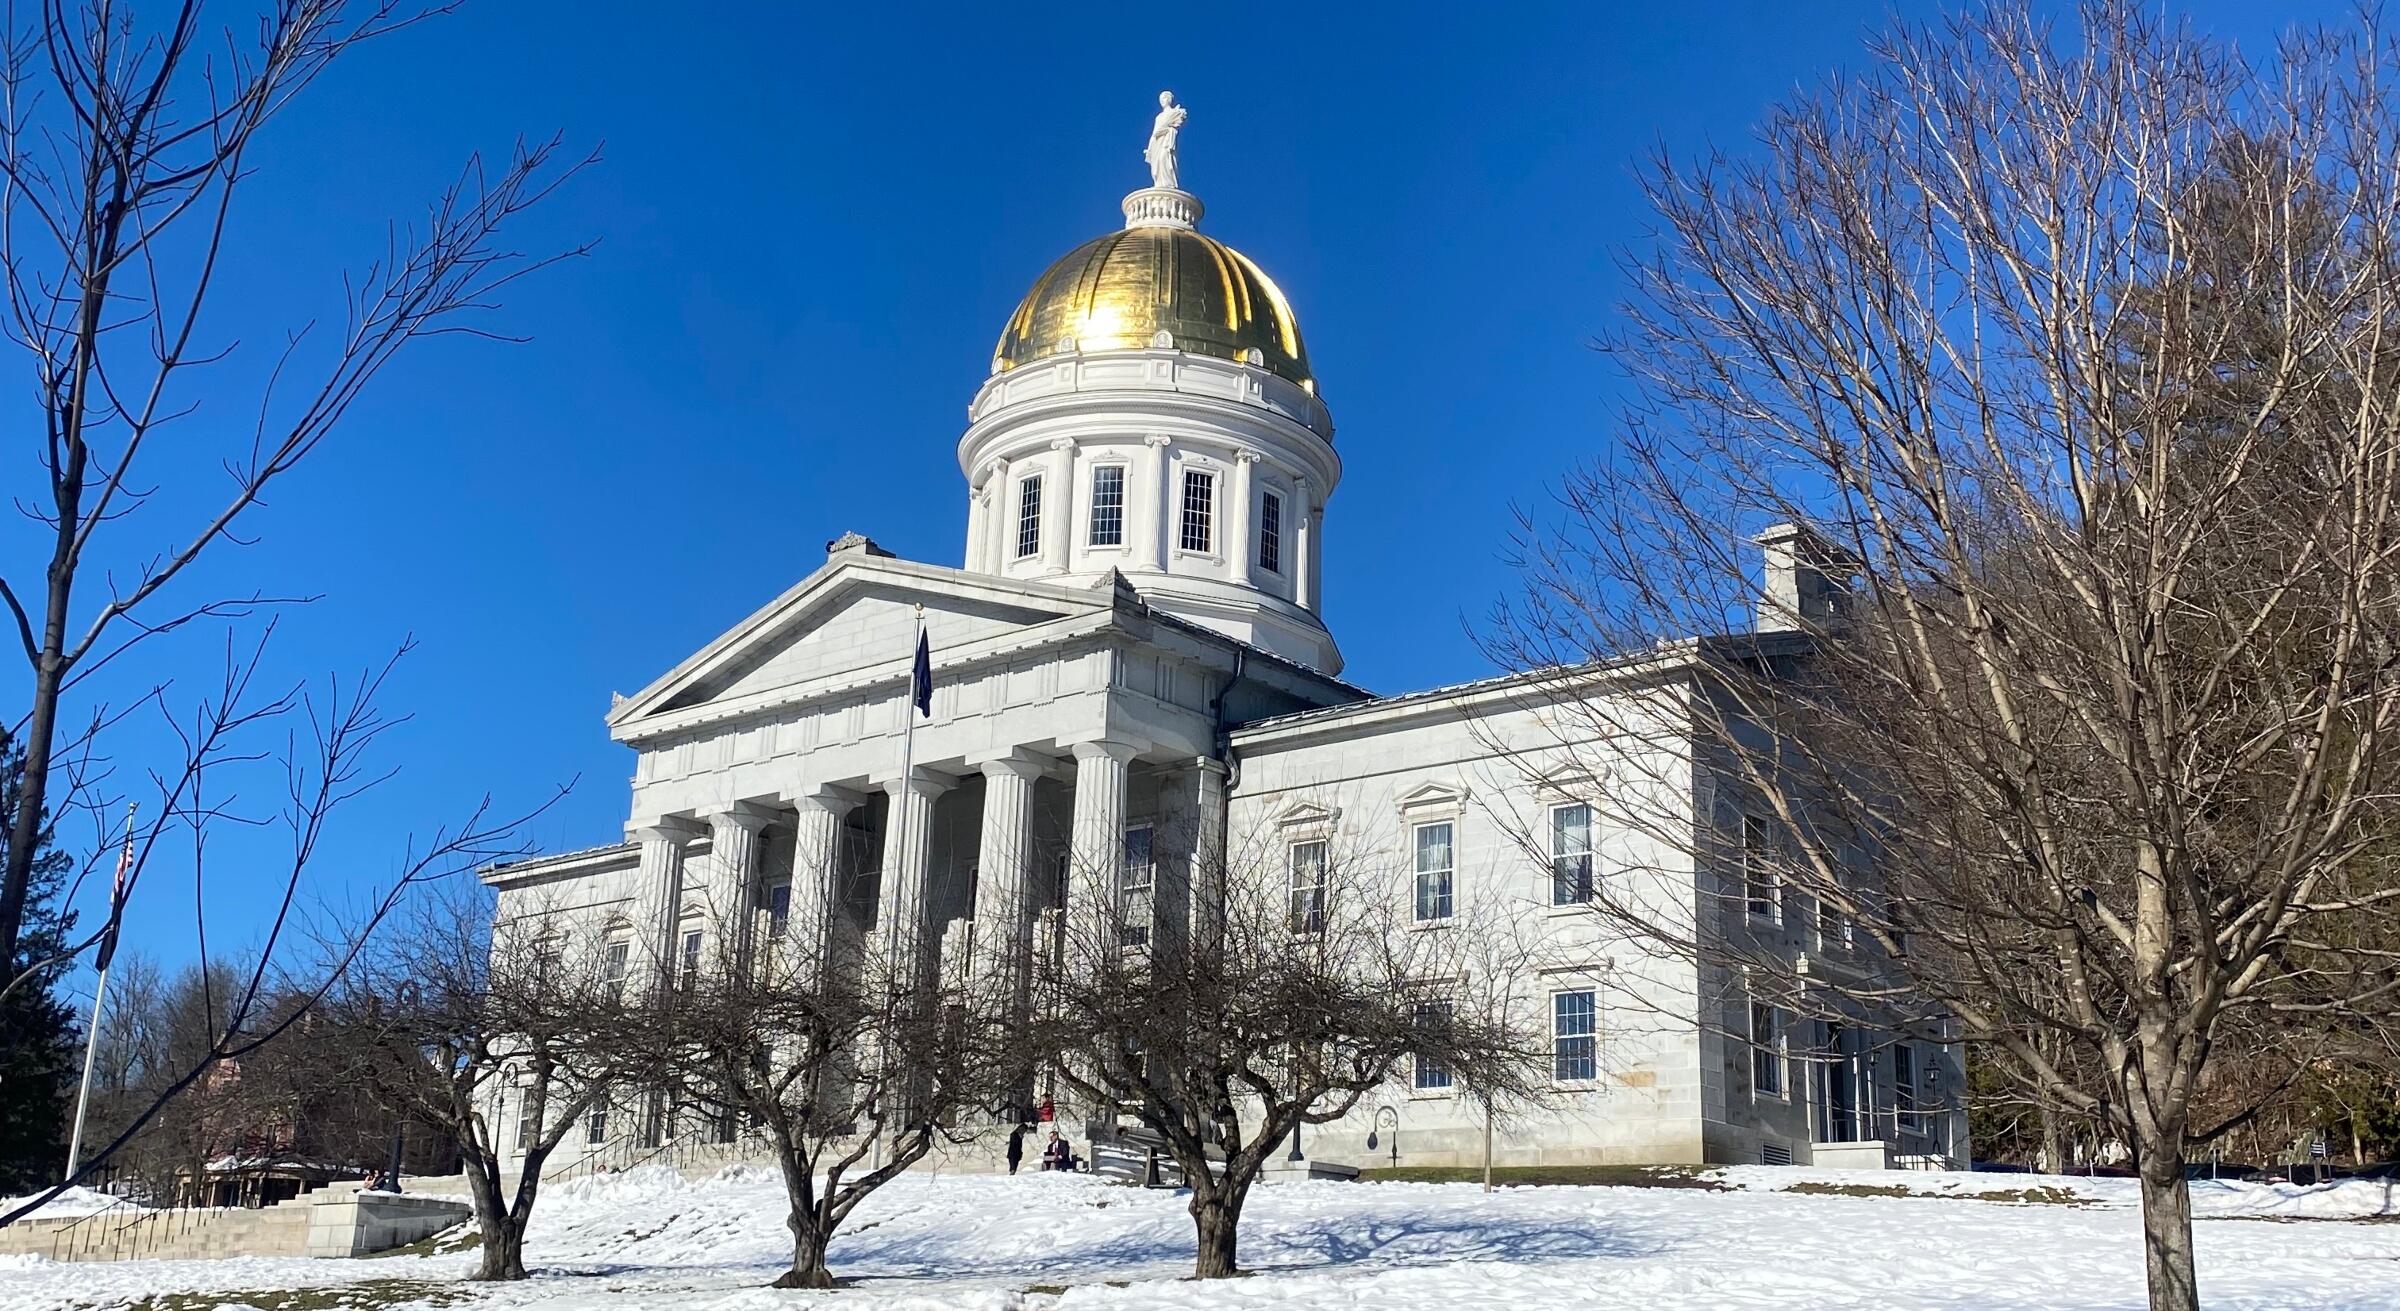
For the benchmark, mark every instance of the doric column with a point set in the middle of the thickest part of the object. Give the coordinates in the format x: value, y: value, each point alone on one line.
x: 816, y: 909
x: 1203, y: 902
x: 902, y: 927
x: 1058, y: 505
x: 733, y: 851
x: 1004, y: 902
x: 1099, y: 840
x: 1150, y: 529
x: 659, y: 898
x: 1240, y: 531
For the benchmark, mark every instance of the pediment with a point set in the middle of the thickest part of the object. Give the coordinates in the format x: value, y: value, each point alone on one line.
x: 852, y: 619
x: 1432, y: 797
x: 1306, y: 815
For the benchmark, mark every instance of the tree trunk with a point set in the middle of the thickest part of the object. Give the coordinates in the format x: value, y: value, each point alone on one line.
x: 1217, y: 1220
x: 2167, y: 1230
x: 503, y: 1238
x: 808, y: 1258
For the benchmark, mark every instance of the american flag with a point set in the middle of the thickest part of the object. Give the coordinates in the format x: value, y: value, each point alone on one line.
x: 116, y: 894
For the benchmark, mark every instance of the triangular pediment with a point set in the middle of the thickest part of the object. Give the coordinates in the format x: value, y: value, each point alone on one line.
x: 853, y: 619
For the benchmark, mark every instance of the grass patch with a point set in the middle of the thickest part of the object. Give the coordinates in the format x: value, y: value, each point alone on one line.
x: 1819, y: 1188
x: 457, y: 1239
x: 362, y: 1296
x: 2043, y: 1196
x: 1552, y: 1176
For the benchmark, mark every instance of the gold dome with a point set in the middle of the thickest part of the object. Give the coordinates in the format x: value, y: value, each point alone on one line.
x: 1119, y: 291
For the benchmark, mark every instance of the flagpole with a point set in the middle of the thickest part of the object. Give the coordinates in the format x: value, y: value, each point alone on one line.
x: 108, y: 953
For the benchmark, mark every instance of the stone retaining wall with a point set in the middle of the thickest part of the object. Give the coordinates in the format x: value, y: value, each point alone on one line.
x: 335, y: 1221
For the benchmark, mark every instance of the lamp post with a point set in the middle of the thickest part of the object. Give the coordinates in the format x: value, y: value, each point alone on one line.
x: 1380, y: 1112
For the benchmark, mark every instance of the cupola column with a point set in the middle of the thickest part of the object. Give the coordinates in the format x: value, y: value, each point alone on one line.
x: 1304, y: 542
x: 1150, y: 532
x: 1238, y: 528
x: 1058, y: 505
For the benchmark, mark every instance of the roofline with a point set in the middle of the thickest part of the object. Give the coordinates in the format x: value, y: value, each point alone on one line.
x: 557, y: 864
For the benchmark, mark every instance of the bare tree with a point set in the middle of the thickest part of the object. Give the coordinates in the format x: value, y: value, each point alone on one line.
x: 2072, y: 353
x: 124, y: 139
x: 827, y: 1041
x: 1289, y: 997
x: 451, y: 1014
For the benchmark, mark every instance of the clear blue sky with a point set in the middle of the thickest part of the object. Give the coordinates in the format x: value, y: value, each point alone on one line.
x: 812, y: 220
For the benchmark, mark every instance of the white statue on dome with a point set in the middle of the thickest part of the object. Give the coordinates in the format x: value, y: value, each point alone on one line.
x: 1161, y: 150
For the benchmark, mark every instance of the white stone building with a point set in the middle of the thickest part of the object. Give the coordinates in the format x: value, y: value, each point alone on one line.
x: 1134, y: 644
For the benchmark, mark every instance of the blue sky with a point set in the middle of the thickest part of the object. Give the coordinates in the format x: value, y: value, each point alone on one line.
x: 811, y: 223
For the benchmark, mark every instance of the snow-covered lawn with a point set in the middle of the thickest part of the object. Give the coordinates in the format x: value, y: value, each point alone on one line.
x: 649, y: 1239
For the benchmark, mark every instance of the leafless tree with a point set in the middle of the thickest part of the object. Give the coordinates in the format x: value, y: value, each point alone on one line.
x: 1281, y: 1000
x: 125, y: 136
x: 830, y: 1043
x: 2073, y: 350
x: 451, y: 1015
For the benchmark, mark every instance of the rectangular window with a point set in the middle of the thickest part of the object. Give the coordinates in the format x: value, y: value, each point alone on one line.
x: 1758, y: 878
x: 691, y: 959
x: 1199, y: 511
x: 1906, y: 1111
x: 1435, y: 864
x: 595, y: 1123
x: 1270, y: 533
x: 1433, y: 1017
x: 1766, y: 1050
x: 1833, y: 927
x: 524, y: 1128
x: 619, y: 954
x: 1029, y: 516
x: 1134, y: 882
x: 779, y: 910
x: 1108, y: 505
x: 1308, y: 887
x: 1575, y: 1035
x: 1570, y: 854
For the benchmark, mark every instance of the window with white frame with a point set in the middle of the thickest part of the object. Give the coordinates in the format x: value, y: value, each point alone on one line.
x: 1108, y: 505
x: 1575, y: 1035
x: 1759, y: 884
x: 1029, y: 516
x: 619, y: 964
x: 1766, y: 1050
x: 1436, y: 864
x: 1198, y: 532
x: 595, y: 1122
x: 1308, y: 886
x: 1570, y: 854
x: 779, y: 910
x: 1433, y: 1016
x: 1135, y: 879
x: 1270, y: 533
x: 526, y: 1123
x: 691, y: 959
x: 1833, y: 927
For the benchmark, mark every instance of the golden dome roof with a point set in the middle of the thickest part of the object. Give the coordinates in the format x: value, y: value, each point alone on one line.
x: 1118, y: 292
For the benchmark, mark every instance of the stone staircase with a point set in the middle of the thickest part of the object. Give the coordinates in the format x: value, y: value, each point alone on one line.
x: 338, y: 1220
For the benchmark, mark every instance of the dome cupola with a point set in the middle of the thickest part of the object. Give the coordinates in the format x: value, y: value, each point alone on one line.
x: 1151, y: 414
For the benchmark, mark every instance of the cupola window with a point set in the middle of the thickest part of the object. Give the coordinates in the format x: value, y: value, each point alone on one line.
x: 1029, y: 516
x: 1108, y: 505
x: 1199, y: 511
x: 1270, y: 533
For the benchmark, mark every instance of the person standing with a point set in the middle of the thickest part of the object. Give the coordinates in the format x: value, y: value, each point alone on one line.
x: 1016, y: 1147
x: 1056, y: 1154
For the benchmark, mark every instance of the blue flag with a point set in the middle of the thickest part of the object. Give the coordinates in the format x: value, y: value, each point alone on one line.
x: 921, y: 680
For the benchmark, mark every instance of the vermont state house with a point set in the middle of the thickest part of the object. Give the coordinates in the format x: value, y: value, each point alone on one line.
x: 1133, y: 643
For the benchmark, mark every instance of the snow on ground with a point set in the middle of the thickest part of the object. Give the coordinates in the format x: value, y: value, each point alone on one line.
x: 73, y: 1201
x: 650, y: 1239
x: 2340, y: 1199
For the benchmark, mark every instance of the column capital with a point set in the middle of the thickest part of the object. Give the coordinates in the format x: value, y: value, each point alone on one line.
x: 1062, y: 443
x: 750, y: 816
x: 924, y: 782
x: 810, y: 798
x: 1121, y: 752
x: 1016, y: 762
x: 678, y: 829
x: 1245, y: 455
x: 1157, y: 439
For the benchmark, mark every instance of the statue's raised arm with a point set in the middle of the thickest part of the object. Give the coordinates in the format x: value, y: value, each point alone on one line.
x: 1161, y: 150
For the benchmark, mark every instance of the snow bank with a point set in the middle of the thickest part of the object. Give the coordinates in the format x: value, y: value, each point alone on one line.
x: 74, y: 1201
x: 2212, y: 1199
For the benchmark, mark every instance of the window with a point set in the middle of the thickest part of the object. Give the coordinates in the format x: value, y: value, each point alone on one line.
x: 619, y: 956
x: 779, y: 910
x: 1766, y: 1050
x: 1574, y: 1035
x: 1108, y: 505
x: 1570, y: 854
x: 1758, y: 880
x: 1433, y: 1017
x: 1270, y: 533
x: 1435, y: 862
x: 595, y: 1123
x: 1833, y: 928
x: 691, y: 958
x: 1199, y: 511
x: 1134, y: 882
x: 1308, y: 887
x: 525, y: 1126
x: 1906, y: 1112
x: 1029, y: 516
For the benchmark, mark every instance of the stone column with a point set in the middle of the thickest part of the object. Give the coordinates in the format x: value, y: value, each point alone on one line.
x: 979, y: 528
x: 817, y: 909
x: 1203, y: 903
x: 659, y: 900
x: 1150, y: 495
x: 1239, y: 528
x: 1158, y: 545
x: 1099, y: 841
x: 1058, y: 506
x: 1004, y: 902
x: 902, y: 904
x: 1304, y: 541
x: 733, y: 851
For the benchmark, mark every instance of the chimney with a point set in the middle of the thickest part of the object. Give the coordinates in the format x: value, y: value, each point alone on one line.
x: 1807, y: 580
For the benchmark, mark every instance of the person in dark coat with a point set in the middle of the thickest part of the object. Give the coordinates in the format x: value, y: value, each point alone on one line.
x: 1016, y: 1147
x: 1056, y: 1155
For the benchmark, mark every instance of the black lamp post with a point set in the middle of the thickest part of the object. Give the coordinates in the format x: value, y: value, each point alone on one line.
x: 1380, y: 1112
